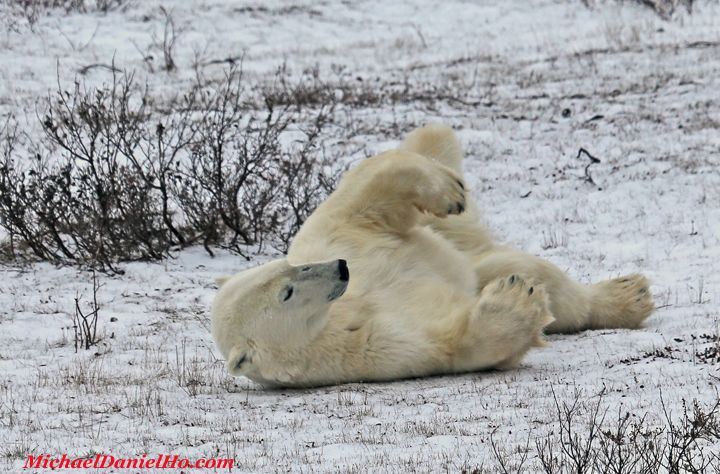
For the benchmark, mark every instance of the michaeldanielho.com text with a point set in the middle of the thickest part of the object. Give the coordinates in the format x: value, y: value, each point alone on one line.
x: 108, y: 461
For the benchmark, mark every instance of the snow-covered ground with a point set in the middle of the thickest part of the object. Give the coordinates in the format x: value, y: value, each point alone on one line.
x: 526, y: 84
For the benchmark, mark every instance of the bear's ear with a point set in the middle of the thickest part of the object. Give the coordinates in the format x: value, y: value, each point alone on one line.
x: 235, y: 360
x: 221, y: 280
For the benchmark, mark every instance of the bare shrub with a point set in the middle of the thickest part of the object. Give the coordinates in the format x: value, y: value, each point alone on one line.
x: 629, y: 444
x: 575, y: 443
x: 663, y: 8
x: 191, y: 373
x: 162, y: 44
x: 666, y: 8
x: 241, y: 185
x: 166, y: 44
x: 85, y: 322
x: 105, y: 6
x: 624, y: 447
x: 118, y: 177
x: 8, y: 144
x: 686, y: 440
x: 312, y: 89
x: 502, y: 458
x: 230, y: 183
x: 33, y: 10
x: 89, y: 204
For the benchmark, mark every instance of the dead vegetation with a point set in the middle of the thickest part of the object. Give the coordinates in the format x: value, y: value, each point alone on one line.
x: 666, y: 8
x: 33, y: 10
x: 118, y: 176
x: 663, y: 8
x: 85, y: 322
x: 122, y: 175
x: 701, y: 348
x: 587, y: 438
x: 163, y: 44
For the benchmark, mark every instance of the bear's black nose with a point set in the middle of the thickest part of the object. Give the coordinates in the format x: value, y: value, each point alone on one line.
x: 344, y: 273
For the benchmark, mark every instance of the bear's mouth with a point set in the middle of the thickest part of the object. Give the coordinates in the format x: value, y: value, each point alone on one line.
x: 337, y: 291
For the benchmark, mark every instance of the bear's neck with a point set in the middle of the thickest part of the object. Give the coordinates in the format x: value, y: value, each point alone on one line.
x: 337, y: 352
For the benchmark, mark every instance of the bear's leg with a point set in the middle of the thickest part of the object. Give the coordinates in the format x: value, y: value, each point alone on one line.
x: 619, y: 303
x: 464, y: 231
x: 437, y: 142
x: 507, y: 320
x: 623, y: 302
x: 386, y: 191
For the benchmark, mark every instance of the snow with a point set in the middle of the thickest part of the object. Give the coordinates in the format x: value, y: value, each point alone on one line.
x: 156, y: 385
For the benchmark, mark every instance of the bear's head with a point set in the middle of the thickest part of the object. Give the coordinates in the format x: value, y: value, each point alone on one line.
x: 275, y: 305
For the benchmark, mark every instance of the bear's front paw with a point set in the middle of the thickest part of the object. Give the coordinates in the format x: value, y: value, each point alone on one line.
x: 443, y: 194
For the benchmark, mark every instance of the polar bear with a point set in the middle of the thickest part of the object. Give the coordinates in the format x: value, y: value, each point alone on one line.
x: 394, y: 276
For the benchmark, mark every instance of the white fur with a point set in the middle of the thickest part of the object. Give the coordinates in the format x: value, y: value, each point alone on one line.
x: 429, y: 291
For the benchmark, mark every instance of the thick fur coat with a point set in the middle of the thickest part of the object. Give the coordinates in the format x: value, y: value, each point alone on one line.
x: 394, y: 276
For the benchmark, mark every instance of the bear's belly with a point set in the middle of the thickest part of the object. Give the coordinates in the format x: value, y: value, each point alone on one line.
x: 421, y: 259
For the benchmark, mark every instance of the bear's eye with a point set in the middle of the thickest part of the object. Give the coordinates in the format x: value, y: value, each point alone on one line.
x: 286, y: 293
x: 306, y: 269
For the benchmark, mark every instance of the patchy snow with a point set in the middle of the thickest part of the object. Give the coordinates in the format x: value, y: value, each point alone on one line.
x: 541, y: 81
